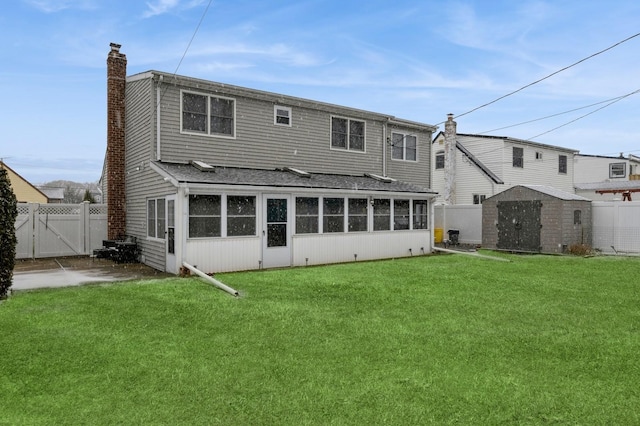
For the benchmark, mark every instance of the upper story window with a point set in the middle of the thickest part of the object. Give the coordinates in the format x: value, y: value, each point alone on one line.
x: 347, y: 134
x: 403, y: 147
x: 538, y: 155
x: 440, y: 160
x: 281, y: 116
x: 518, y: 154
x: 479, y: 198
x: 617, y: 170
x: 562, y: 164
x: 208, y: 115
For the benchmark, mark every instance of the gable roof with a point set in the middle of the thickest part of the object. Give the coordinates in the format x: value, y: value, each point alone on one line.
x: 18, y: 187
x: 556, y: 193
x: 282, y: 178
x: 512, y: 140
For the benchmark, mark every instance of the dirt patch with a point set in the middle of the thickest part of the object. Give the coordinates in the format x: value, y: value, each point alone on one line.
x: 122, y: 270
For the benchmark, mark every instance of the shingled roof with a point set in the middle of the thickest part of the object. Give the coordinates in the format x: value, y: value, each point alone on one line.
x: 283, y: 178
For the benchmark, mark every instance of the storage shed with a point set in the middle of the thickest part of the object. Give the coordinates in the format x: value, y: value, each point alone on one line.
x: 537, y: 219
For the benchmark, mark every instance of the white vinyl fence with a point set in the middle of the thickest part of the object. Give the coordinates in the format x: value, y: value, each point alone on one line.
x: 464, y: 218
x: 52, y: 230
x: 616, y: 225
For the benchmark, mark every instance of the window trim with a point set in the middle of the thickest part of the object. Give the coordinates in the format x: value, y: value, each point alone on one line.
x: 155, y: 201
x: 479, y: 198
x: 348, y: 147
x: 404, y: 146
x: 208, y: 114
x: 517, y: 164
x: 439, y: 153
x: 275, y: 115
x: 618, y: 176
x: 560, y: 164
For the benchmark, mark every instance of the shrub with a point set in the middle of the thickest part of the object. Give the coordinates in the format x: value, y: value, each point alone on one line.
x: 580, y: 249
x: 8, y: 215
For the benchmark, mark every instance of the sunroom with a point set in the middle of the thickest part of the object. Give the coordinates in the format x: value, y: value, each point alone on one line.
x: 230, y: 219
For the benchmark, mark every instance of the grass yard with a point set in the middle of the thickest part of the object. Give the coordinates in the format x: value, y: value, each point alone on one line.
x: 435, y: 339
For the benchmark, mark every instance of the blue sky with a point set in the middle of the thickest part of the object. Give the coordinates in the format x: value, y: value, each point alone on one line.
x: 417, y: 60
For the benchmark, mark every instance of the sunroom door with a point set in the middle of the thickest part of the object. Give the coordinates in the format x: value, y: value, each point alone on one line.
x: 170, y: 235
x: 276, y: 231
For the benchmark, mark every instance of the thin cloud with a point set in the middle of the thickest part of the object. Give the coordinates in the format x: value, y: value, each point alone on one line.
x: 54, y: 6
x: 160, y: 7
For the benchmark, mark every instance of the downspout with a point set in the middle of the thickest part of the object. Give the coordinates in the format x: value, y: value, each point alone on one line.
x: 211, y: 280
x: 384, y: 148
x: 158, y: 98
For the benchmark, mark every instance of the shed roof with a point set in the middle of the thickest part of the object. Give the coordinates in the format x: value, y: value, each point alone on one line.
x: 556, y: 193
x: 282, y: 178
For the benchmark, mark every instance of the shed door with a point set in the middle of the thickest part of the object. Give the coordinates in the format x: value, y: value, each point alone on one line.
x: 519, y: 225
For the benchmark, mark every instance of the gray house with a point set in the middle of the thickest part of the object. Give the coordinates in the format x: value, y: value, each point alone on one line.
x: 535, y: 218
x: 230, y: 178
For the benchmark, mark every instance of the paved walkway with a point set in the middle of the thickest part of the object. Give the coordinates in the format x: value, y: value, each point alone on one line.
x: 74, y: 271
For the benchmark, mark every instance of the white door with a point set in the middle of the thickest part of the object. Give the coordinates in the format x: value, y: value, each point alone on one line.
x: 170, y: 235
x: 276, y: 231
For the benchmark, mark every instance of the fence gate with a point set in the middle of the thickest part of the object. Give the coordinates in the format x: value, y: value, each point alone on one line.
x: 51, y: 230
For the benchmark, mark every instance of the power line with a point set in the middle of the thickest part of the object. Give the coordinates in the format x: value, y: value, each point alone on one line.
x: 552, y: 115
x: 583, y: 116
x: 548, y: 76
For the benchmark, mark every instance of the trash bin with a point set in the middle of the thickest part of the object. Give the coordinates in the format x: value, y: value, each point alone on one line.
x: 454, y: 235
x: 437, y: 235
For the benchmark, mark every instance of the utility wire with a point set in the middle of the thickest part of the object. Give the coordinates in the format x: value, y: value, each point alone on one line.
x: 548, y: 76
x: 583, y: 116
x: 552, y: 115
x: 193, y: 37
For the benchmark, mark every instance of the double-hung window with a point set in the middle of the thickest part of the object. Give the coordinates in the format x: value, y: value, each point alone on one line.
x: 358, y: 214
x: 440, y: 160
x: 208, y: 115
x: 404, y: 147
x: 400, y: 214
x: 518, y: 157
x: 562, y: 164
x: 307, y: 215
x: 241, y: 215
x: 347, y: 134
x: 156, y: 218
x: 205, y: 216
x: 333, y: 215
x: 281, y: 116
x: 617, y: 170
x: 420, y: 214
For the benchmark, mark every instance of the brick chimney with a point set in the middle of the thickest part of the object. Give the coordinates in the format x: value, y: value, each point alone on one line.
x: 450, y: 131
x: 116, y: 81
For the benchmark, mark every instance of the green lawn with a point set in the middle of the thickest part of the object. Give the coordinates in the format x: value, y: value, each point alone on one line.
x: 435, y: 339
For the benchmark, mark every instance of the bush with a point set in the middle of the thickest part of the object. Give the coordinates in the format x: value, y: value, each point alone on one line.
x: 8, y: 215
x: 580, y: 249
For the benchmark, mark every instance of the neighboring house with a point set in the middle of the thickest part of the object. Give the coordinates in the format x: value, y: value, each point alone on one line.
x: 55, y: 195
x: 486, y: 165
x: 604, y: 178
x: 25, y: 191
x: 230, y: 178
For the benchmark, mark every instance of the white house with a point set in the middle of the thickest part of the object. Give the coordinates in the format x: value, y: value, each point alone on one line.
x: 605, y: 178
x: 481, y: 166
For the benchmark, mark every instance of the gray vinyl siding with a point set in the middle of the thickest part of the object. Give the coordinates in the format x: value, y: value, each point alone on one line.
x: 261, y: 144
x: 142, y: 183
x: 416, y: 172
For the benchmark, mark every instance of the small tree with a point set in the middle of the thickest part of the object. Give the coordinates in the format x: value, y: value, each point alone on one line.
x: 8, y: 241
x: 88, y: 196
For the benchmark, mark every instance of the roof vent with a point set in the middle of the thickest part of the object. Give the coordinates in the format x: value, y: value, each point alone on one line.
x: 297, y: 172
x: 202, y: 166
x: 380, y: 178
